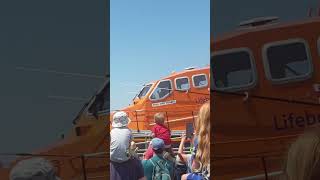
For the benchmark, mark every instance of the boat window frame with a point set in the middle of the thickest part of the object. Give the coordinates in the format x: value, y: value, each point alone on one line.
x: 101, y: 112
x: 142, y: 89
x: 203, y: 86
x: 156, y: 86
x: 290, y: 79
x: 253, y: 68
x: 183, y: 77
x: 318, y: 46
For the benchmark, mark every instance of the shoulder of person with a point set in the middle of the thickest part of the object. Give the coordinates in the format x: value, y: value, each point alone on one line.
x: 167, y: 128
x: 161, y: 158
x: 125, y: 129
x: 129, y: 130
x: 147, y: 164
x: 116, y: 129
x: 171, y: 163
x: 163, y: 126
x: 144, y: 162
x: 154, y: 127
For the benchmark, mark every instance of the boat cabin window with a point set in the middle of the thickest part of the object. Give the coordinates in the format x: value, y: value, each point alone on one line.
x: 182, y: 83
x: 144, y: 91
x: 200, y: 80
x: 233, y: 69
x: 163, y: 89
x: 287, y: 60
x: 101, y: 101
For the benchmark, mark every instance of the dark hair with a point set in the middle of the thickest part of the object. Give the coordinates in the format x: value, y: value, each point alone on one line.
x: 159, y: 151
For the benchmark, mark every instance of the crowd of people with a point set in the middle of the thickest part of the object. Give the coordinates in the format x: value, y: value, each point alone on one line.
x: 302, y: 162
x: 159, y: 162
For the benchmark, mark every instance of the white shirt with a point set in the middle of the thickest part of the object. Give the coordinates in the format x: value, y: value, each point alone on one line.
x: 120, y: 143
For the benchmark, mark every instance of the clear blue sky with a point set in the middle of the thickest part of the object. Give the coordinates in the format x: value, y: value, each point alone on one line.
x: 149, y: 39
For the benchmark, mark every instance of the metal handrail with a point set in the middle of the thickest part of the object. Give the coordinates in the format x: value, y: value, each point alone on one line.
x: 146, y: 142
x: 261, y: 157
x: 82, y: 157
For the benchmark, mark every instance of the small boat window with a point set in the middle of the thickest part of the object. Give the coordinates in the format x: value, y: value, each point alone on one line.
x: 101, y: 101
x: 144, y: 91
x: 182, y: 83
x: 200, y: 80
x: 233, y: 69
x: 287, y: 61
x: 163, y: 89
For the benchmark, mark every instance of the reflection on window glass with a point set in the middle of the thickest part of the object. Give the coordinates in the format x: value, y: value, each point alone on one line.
x: 163, y: 89
x: 106, y: 99
x: 182, y: 84
x: 200, y: 80
x: 101, y: 102
x: 144, y: 91
x: 288, y: 61
x: 232, y: 70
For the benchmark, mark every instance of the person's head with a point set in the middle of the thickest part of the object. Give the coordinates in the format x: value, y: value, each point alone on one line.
x: 34, y: 168
x: 157, y: 145
x: 202, y: 127
x: 303, y: 157
x: 159, y: 118
x: 120, y: 119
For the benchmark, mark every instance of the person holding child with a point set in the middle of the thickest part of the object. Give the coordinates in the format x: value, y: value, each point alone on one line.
x: 161, y: 131
x: 123, y: 164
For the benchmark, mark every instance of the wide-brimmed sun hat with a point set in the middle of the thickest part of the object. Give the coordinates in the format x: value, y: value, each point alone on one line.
x: 120, y: 119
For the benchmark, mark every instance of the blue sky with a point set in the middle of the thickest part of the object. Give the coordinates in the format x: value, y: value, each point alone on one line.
x: 149, y: 39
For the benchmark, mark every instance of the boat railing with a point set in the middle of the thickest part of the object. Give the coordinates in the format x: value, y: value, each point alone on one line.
x: 56, y: 160
x: 262, y: 158
x: 180, y: 116
x: 83, y: 159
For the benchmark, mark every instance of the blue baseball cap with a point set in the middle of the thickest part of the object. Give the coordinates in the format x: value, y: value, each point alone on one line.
x: 157, y: 143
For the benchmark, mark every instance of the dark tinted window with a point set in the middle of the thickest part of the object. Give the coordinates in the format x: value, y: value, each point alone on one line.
x: 288, y: 61
x: 232, y: 70
x: 200, y: 80
x: 163, y: 89
x: 101, y: 102
x: 144, y: 91
x: 182, y: 84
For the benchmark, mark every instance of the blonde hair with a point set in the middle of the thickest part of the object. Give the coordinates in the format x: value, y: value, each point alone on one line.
x: 159, y: 118
x: 202, y: 127
x: 302, y: 161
